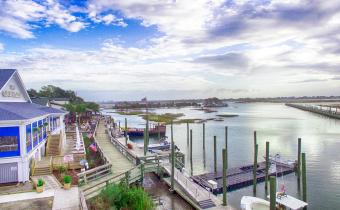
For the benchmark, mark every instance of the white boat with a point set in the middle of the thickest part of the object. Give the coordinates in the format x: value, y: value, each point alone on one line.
x: 277, y: 159
x: 254, y: 203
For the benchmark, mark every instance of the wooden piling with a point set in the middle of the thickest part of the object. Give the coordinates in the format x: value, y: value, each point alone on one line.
x: 272, y: 193
x: 215, y: 157
x: 145, y: 143
x: 159, y: 132
x: 298, y: 167
x: 187, y: 133
x: 172, y: 159
x: 126, y: 131
x: 147, y: 131
x: 267, y: 167
x: 304, y: 178
x: 255, y: 163
x: 224, y: 175
x: 226, y: 137
x: 254, y: 169
x: 142, y: 173
x: 191, y: 165
x: 204, y: 145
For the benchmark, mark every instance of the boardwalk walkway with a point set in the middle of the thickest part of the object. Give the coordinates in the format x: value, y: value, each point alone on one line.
x: 119, y: 162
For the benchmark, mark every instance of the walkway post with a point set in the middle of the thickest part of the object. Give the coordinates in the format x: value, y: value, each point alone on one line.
x: 191, y: 165
x: 215, y: 158
x: 304, y: 179
x: 299, y: 162
x: 204, y: 145
x: 267, y: 167
x: 224, y: 176
x: 272, y: 193
x: 126, y: 131
x: 187, y: 133
x: 119, y: 125
x: 172, y: 159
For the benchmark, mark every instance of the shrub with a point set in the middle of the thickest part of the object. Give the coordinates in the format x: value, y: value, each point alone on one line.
x: 62, y: 169
x: 67, y: 179
x: 40, y: 182
x: 118, y: 196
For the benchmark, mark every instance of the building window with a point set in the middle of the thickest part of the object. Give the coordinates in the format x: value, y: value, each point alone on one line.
x: 35, y: 134
x: 28, y: 138
x: 8, y: 143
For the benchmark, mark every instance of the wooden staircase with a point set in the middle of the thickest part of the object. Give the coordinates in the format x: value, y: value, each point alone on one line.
x: 53, y: 145
x: 43, y: 167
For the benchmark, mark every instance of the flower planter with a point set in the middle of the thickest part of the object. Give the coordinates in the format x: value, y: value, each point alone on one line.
x: 67, y: 186
x: 40, y: 189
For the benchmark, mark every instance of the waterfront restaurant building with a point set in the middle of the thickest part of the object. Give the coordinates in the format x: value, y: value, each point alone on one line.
x: 24, y: 128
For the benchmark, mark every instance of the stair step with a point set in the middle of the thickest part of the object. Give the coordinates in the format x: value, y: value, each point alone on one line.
x: 206, y: 204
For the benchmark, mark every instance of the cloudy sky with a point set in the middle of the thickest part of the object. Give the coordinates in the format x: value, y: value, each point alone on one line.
x: 128, y: 49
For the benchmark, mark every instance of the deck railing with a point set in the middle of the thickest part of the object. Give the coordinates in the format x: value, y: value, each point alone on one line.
x: 82, y: 201
x: 94, y: 174
x: 58, y: 161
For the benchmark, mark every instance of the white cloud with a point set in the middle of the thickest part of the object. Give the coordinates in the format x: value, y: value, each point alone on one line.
x: 263, y: 49
x: 1, y: 47
x: 20, y: 17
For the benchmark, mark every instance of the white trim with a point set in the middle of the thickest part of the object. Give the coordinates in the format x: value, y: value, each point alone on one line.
x: 23, y: 86
x: 8, y: 79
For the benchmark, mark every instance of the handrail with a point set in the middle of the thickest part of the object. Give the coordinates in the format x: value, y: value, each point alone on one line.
x: 82, y: 201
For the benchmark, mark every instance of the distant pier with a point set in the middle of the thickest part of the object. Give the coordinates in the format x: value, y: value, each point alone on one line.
x: 331, y: 111
x: 240, y: 177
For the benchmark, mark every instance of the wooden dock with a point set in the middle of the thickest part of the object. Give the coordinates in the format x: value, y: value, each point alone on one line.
x: 318, y: 110
x: 119, y: 162
x: 239, y: 177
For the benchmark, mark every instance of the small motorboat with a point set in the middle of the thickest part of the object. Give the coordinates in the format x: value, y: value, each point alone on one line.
x: 164, y: 145
x: 254, y: 203
x: 278, y: 160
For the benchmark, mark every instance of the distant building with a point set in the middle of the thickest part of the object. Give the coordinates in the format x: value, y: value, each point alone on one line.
x: 24, y: 127
x: 213, y: 102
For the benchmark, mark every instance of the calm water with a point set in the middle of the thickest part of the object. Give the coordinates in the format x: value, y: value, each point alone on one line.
x: 281, y: 126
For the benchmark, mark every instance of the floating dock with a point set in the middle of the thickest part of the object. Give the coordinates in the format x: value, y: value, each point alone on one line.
x: 240, y: 177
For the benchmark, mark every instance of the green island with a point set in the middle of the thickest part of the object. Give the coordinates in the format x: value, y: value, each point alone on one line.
x: 130, y: 112
x: 227, y: 115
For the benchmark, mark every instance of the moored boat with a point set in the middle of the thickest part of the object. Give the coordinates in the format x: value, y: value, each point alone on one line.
x: 254, y: 203
x: 153, y: 131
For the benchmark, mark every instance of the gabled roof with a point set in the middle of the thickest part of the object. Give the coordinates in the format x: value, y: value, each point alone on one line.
x: 24, y: 110
x: 5, y: 75
x: 43, y: 101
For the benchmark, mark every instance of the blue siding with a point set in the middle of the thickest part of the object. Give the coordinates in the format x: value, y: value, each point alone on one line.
x: 10, y: 131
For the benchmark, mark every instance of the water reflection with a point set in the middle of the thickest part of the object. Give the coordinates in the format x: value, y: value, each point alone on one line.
x: 281, y: 126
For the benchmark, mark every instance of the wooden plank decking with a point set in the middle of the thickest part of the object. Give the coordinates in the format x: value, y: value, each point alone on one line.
x: 119, y: 162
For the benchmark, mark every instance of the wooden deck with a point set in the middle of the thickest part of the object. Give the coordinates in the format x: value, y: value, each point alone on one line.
x: 118, y: 161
